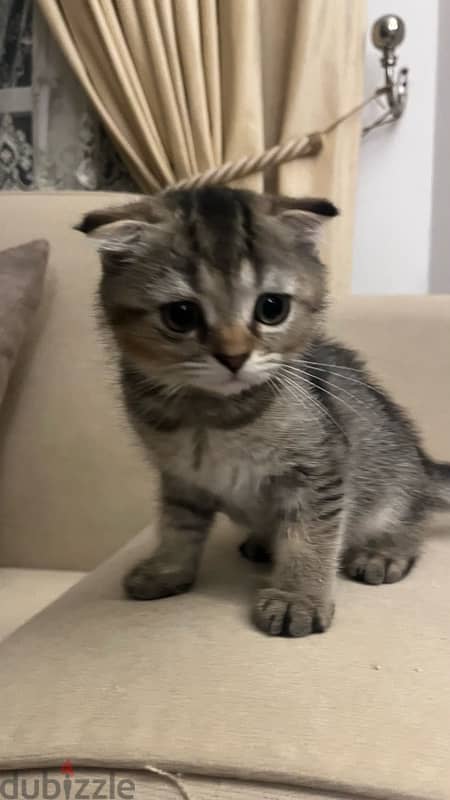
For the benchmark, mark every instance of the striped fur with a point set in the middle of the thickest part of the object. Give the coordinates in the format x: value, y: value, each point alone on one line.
x: 298, y: 443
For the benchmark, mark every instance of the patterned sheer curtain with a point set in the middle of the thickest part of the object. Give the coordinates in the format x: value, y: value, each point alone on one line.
x: 50, y: 136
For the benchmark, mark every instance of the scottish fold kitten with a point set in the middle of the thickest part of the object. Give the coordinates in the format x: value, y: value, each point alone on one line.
x: 215, y: 298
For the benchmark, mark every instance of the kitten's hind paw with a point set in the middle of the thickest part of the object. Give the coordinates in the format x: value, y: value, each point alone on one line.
x: 150, y: 580
x: 253, y: 550
x: 375, y: 568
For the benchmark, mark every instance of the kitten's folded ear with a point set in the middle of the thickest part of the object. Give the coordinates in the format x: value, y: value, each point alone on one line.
x: 146, y: 210
x: 306, y: 213
x: 118, y: 227
x: 310, y: 205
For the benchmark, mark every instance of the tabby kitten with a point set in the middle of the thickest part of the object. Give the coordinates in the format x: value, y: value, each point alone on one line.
x: 215, y: 298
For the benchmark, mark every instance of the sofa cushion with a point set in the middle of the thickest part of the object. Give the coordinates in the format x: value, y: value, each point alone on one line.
x: 22, y: 272
x: 188, y: 685
x: 24, y: 592
x: 125, y: 784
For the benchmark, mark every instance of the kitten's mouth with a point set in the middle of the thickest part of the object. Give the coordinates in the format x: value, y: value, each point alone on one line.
x: 232, y: 384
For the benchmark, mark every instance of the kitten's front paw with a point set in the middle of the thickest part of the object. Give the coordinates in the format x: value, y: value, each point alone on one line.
x: 281, y: 613
x: 150, y: 580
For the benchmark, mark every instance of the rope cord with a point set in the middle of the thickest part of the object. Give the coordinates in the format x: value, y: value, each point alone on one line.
x: 299, y: 147
x: 175, y: 780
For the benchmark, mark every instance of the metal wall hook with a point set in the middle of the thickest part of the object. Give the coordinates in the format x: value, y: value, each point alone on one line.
x: 388, y: 33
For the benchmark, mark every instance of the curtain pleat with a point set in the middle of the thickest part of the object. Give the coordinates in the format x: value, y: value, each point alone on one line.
x: 172, y: 91
x: 209, y: 26
x: 242, y: 102
x: 150, y: 64
x: 109, y: 111
x: 185, y: 18
x: 324, y: 79
x: 184, y: 85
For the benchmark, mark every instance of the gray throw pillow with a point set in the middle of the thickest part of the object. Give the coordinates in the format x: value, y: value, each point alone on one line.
x: 22, y: 271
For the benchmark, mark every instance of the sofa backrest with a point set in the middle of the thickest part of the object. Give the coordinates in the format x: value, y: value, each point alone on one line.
x: 74, y: 483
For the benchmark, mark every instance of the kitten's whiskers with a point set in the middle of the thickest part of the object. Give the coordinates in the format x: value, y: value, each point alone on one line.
x: 286, y: 377
x: 303, y: 376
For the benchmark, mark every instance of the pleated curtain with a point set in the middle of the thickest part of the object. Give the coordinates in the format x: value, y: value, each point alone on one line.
x: 184, y: 85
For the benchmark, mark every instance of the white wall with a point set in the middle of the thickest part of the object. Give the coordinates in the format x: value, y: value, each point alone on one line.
x: 395, y: 186
x: 440, y: 225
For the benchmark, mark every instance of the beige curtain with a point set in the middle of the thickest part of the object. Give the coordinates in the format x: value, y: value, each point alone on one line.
x: 184, y: 85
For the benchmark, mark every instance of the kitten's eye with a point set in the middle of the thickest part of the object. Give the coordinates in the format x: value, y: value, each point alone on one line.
x: 182, y: 317
x: 272, y: 309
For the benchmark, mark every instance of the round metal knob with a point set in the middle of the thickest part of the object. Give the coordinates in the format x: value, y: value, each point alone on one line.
x: 388, y: 32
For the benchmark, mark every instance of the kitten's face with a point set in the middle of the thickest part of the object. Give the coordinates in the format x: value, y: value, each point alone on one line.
x: 211, y: 289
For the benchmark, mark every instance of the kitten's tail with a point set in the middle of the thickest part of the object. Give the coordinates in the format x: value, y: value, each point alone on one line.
x: 439, y: 475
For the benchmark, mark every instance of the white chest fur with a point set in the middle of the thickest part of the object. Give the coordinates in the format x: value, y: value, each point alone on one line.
x: 232, y: 465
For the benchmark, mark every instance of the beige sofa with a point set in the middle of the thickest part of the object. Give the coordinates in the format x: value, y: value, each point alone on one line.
x: 183, y: 697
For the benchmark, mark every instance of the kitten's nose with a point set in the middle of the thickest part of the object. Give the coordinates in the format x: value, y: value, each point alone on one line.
x: 233, y: 363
